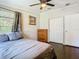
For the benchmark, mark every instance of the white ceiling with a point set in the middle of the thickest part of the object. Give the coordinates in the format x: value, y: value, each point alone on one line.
x: 24, y: 4
x: 61, y: 3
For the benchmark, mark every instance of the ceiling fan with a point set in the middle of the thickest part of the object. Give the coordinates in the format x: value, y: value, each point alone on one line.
x: 43, y: 4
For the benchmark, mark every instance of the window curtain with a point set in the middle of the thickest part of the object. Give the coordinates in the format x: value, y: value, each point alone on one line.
x: 17, y: 23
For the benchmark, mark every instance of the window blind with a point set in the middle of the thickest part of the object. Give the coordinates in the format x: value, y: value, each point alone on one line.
x: 7, y: 19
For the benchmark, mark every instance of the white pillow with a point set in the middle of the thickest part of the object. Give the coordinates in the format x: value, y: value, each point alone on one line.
x: 18, y: 35
x: 14, y: 35
x: 3, y: 38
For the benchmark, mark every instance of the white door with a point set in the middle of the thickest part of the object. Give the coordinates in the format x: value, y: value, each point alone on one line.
x: 72, y: 30
x: 56, y: 30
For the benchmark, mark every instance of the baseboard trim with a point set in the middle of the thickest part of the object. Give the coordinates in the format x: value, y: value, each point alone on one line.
x: 72, y: 46
x: 64, y: 44
x: 55, y: 42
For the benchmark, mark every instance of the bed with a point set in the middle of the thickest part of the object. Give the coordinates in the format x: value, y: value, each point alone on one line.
x: 26, y: 49
x: 14, y: 46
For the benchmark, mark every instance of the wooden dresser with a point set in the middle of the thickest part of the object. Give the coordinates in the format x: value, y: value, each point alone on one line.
x: 43, y: 35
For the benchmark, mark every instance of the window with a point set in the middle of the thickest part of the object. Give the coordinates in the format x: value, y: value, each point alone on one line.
x: 7, y: 19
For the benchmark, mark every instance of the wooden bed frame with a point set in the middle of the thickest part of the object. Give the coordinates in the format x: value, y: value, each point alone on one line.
x: 49, y: 53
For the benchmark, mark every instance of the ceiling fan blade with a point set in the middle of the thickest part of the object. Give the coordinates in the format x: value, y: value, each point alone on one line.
x: 34, y: 4
x: 50, y: 4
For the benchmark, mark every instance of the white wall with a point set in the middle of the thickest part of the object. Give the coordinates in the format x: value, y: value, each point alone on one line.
x: 30, y: 31
x: 44, y: 17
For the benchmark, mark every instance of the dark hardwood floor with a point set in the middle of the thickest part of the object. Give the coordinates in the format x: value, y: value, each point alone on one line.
x: 65, y: 52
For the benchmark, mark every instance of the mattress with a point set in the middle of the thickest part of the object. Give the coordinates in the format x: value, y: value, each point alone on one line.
x: 22, y: 49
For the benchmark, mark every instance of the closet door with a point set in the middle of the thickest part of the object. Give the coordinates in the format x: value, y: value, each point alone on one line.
x: 56, y: 30
x: 72, y: 30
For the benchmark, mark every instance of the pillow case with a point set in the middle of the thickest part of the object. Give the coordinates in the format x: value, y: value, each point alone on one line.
x: 3, y: 37
x: 18, y: 35
x: 11, y: 36
x: 14, y: 35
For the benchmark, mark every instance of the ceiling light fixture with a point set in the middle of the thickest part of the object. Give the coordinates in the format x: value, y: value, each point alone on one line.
x: 43, y: 5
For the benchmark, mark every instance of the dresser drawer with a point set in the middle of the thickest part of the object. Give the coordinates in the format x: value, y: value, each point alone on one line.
x: 43, y: 35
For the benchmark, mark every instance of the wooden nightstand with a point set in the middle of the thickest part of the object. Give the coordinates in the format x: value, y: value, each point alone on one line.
x: 43, y: 35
